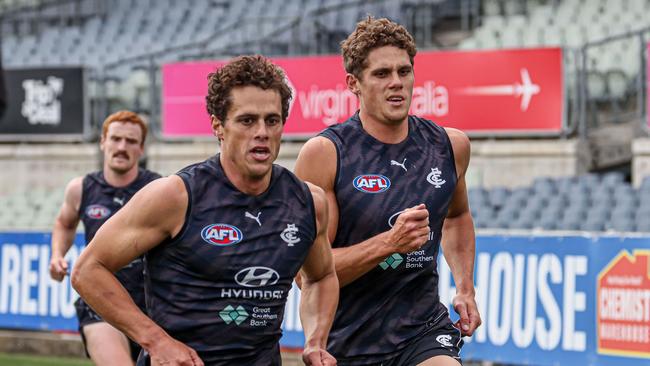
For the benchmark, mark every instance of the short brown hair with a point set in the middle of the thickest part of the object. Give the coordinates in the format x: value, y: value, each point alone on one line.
x: 126, y: 117
x: 245, y: 71
x: 373, y: 33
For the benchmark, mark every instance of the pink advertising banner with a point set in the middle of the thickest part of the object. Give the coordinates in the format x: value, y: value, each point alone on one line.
x: 490, y: 92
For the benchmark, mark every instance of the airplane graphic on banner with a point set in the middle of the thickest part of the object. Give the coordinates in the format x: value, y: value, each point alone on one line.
x: 526, y: 89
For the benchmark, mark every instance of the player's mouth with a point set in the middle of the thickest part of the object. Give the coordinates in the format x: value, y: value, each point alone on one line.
x: 396, y: 100
x: 260, y: 153
x: 121, y: 155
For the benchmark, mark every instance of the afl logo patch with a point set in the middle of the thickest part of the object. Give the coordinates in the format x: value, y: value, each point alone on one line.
x: 371, y: 183
x: 97, y: 212
x: 221, y: 235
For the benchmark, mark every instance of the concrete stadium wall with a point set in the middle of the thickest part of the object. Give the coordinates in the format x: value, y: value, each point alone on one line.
x: 640, y: 160
x: 518, y: 162
x: 48, y: 166
x: 494, y: 163
x: 168, y: 158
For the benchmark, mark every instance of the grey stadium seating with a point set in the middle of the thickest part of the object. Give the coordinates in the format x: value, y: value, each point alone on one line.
x: 589, y: 202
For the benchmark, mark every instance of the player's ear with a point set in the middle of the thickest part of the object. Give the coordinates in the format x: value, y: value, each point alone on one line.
x: 217, y: 127
x: 102, y: 142
x: 353, y: 84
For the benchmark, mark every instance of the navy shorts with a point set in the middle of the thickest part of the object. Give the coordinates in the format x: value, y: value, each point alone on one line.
x: 86, y: 316
x: 440, y: 339
x: 264, y: 357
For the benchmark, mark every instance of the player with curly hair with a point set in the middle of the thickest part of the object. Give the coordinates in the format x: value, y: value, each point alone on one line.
x: 223, y: 239
x: 396, y: 188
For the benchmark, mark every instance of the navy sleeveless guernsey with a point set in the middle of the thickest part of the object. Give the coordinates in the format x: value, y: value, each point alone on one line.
x: 100, y: 201
x: 390, y: 306
x: 220, y: 286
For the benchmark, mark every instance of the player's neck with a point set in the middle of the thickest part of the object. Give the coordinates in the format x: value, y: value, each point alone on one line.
x: 388, y: 133
x: 117, y: 179
x: 245, y: 183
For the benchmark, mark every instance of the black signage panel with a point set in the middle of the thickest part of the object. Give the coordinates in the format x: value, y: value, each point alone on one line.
x: 44, y: 102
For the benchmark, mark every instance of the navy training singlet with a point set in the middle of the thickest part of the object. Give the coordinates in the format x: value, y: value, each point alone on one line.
x: 220, y: 286
x: 100, y: 201
x: 388, y: 307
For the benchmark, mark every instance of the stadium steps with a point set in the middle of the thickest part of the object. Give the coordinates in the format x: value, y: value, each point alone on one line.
x: 70, y: 345
x: 41, y: 343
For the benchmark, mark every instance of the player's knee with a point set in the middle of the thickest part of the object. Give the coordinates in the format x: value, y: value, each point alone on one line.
x: 440, y: 361
x: 106, y: 345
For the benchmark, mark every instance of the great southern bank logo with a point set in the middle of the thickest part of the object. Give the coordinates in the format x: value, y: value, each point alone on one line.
x: 371, y: 183
x: 222, y: 234
x: 97, y: 212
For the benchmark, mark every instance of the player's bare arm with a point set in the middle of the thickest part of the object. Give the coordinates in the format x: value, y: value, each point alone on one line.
x: 458, y: 239
x: 316, y: 163
x: 65, y: 227
x: 320, y: 288
x: 155, y: 213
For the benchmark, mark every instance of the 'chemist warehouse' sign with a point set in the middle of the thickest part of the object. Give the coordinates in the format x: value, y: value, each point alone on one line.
x: 29, y: 298
x: 544, y: 300
x: 549, y: 300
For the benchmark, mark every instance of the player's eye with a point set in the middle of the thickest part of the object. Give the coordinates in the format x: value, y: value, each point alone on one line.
x: 273, y: 121
x: 405, y: 71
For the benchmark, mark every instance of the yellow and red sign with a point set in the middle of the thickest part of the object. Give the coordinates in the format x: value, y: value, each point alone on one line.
x: 623, y: 315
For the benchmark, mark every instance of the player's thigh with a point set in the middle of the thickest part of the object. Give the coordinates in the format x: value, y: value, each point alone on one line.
x: 106, y: 345
x: 441, y: 360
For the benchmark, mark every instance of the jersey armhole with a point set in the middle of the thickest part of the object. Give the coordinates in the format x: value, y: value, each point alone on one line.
x: 334, y: 140
x: 188, y: 211
x: 312, y: 207
x: 82, y: 197
x: 451, y: 152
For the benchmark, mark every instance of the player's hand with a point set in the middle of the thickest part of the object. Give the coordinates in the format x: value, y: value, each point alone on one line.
x: 170, y: 352
x: 58, y: 268
x: 470, y: 319
x: 411, y: 230
x: 313, y: 356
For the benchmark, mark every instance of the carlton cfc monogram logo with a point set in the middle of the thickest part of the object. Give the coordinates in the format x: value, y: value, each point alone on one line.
x: 288, y: 235
x: 221, y: 234
x: 434, y: 178
x: 371, y: 183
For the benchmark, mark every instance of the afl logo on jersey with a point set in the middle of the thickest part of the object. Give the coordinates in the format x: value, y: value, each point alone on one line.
x: 97, y: 212
x: 371, y: 183
x: 221, y: 234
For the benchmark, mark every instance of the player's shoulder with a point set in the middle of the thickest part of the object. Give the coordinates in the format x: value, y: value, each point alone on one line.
x: 459, y: 140
x: 316, y: 192
x: 170, y: 190
x: 319, y: 198
x: 150, y: 175
x: 75, y: 184
x: 208, y: 166
x: 318, y: 147
x: 317, y: 162
x: 344, y: 132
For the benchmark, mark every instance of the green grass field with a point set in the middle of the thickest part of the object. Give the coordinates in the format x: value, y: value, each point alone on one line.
x: 23, y: 360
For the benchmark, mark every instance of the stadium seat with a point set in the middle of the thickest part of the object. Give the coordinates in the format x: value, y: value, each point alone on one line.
x: 643, y: 225
x: 621, y: 225
x: 568, y: 225
x: 592, y: 226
